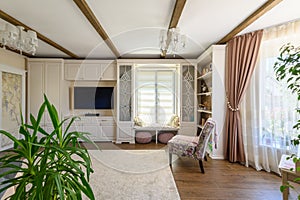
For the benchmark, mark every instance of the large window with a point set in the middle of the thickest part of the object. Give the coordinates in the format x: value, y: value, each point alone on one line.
x: 278, y: 109
x: 155, y: 92
x: 268, y: 110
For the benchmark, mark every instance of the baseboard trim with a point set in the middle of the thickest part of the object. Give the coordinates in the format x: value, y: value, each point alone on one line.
x: 217, y: 157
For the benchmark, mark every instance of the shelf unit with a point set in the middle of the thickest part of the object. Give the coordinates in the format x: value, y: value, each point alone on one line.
x: 211, y: 94
x: 204, y: 91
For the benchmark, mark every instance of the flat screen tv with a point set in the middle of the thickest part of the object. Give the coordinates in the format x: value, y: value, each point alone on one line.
x: 93, y: 97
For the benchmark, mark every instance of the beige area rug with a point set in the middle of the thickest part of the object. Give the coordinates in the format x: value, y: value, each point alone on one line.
x: 132, y: 175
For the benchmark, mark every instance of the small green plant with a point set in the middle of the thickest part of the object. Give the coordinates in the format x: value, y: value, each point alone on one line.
x: 51, y: 166
x: 287, y: 68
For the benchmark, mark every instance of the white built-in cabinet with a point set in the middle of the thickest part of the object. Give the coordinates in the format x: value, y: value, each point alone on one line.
x: 45, y: 76
x: 125, y: 91
x: 211, y: 93
x: 101, y: 128
x: 53, y: 77
x: 125, y: 97
x: 90, y: 70
x: 92, y: 73
x: 188, y: 101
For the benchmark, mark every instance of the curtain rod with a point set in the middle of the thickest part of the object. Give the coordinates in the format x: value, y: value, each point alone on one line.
x: 272, y: 26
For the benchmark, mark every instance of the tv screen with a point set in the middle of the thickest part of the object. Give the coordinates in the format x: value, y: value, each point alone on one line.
x: 93, y: 97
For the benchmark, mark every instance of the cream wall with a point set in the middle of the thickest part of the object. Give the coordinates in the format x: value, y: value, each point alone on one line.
x: 12, y: 59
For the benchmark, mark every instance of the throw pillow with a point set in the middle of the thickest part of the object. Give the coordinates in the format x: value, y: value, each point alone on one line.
x: 138, y: 121
x: 174, y: 121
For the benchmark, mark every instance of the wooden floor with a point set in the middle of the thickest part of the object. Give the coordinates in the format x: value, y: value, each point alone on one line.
x: 222, y: 180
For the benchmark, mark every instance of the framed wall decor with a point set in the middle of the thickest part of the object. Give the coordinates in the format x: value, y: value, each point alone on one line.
x: 12, y: 97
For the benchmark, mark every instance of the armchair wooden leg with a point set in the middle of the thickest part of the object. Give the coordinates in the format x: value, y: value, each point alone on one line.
x: 201, y: 166
x: 170, y: 159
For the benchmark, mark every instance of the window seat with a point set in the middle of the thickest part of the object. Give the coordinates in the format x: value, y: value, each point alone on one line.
x: 156, y: 128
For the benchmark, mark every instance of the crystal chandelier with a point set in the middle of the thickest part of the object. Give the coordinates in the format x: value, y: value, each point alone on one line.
x: 16, y: 38
x: 171, y: 41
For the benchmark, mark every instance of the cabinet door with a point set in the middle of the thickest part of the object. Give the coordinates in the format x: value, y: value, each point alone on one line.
x: 188, y: 93
x: 124, y: 93
x: 36, y: 86
x: 125, y: 132
x: 49, y: 128
x: 108, y: 129
x: 73, y: 72
x: 108, y: 132
x: 92, y: 72
x: 53, y: 82
x: 44, y: 78
x: 109, y: 72
x: 94, y: 130
x: 76, y: 126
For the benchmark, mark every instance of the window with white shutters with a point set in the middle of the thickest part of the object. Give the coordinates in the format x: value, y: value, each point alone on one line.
x: 155, y: 91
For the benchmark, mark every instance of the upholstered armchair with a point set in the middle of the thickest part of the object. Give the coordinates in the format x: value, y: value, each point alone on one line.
x: 192, y: 146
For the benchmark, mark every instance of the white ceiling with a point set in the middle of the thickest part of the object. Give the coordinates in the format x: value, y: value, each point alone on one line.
x: 134, y: 25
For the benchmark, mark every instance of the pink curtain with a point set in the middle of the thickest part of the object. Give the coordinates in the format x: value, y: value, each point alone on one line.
x: 242, y: 52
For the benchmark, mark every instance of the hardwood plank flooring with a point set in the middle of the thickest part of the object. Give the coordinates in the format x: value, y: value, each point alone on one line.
x: 222, y: 179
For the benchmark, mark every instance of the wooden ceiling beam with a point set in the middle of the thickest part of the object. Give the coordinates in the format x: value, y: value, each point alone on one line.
x: 16, y: 51
x: 16, y: 22
x: 249, y: 20
x: 85, y: 9
x: 178, y: 8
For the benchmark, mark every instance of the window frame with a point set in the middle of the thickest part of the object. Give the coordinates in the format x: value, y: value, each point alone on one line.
x: 174, y: 68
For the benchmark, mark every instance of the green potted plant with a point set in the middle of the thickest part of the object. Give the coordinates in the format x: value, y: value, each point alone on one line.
x: 287, y: 68
x: 51, y: 166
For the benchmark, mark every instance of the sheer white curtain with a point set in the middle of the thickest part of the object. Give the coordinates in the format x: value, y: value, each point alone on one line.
x: 268, y: 109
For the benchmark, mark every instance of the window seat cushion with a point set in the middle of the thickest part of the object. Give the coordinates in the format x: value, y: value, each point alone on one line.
x: 164, y: 137
x: 143, y: 137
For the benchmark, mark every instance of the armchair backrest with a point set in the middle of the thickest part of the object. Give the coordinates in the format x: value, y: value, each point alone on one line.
x: 204, y: 136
